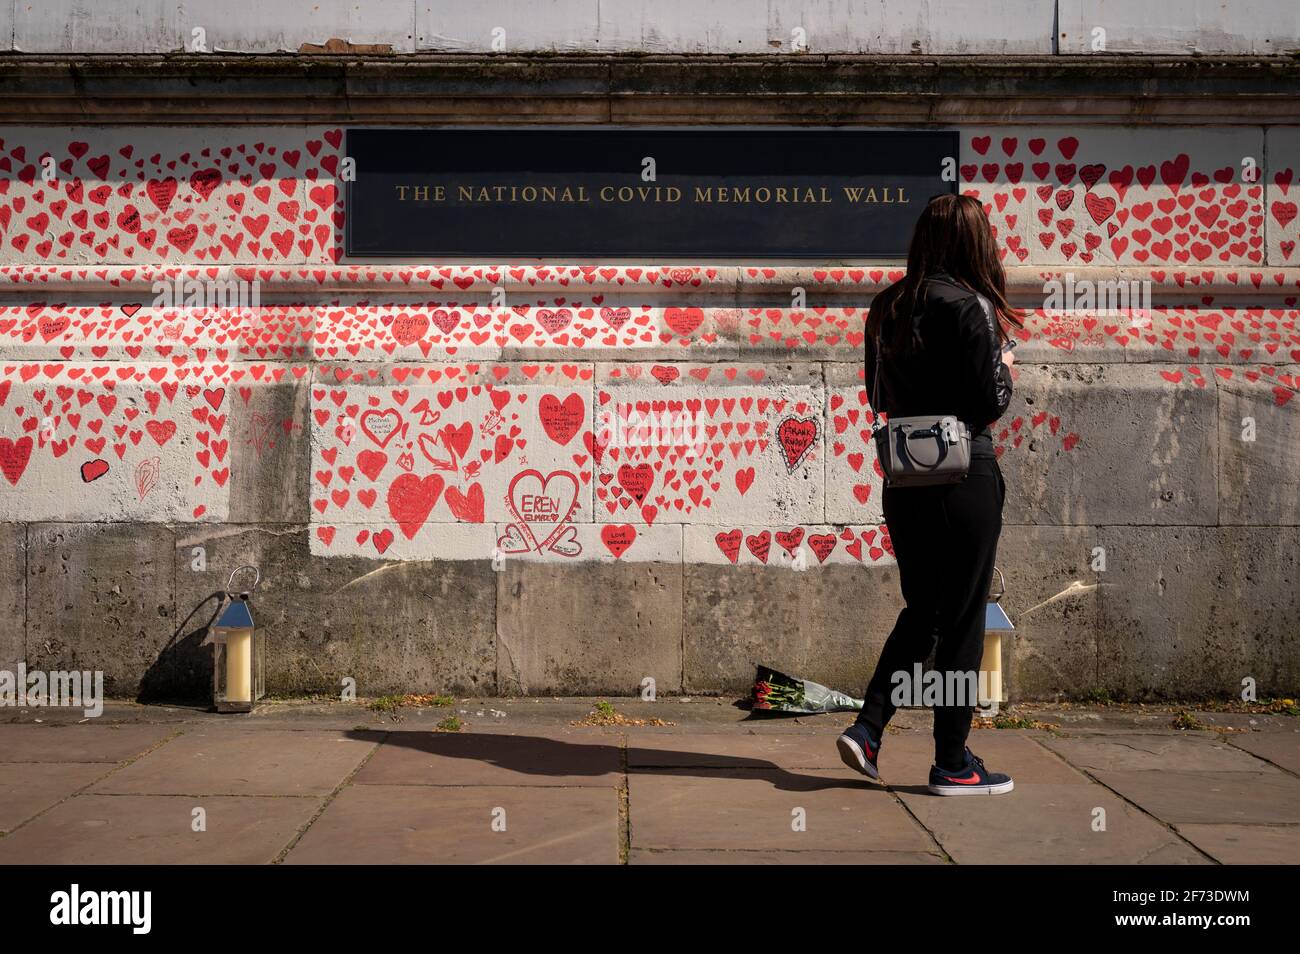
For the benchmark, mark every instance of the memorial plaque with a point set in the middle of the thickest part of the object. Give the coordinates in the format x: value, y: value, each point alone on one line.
x: 649, y: 193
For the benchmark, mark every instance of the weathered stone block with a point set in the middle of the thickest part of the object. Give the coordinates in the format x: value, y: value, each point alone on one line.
x: 271, y: 456
x: 13, y: 593
x: 1052, y: 599
x: 589, y: 629
x: 409, y: 627
x: 826, y: 623
x: 742, y: 444
x: 1259, y: 478
x: 1098, y: 444
x: 1192, y: 611
x: 100, y: 596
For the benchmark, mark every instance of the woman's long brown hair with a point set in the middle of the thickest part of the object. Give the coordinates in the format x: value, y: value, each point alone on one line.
x: 952, y: 236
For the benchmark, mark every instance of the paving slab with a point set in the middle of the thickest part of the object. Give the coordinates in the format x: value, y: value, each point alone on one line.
x: 152, y: 829
x: 744, y: 749
x: 720, y: 808
x: 29, y: 742
x: 1197, y: 752
x: 1246, y: 721
x: 1075, y: 720
x: 28, y: 789
x: 1246, y: 844
x: 481, y: 758
x: 906, y: 755
x: 220, y: 761
x: 715, y: 788
x: 1014, y: 751
x: 1266, y: 798
x: 1046, y: 824
x: 1280, y: 748
x: 705, y: 857
x: 419, y: 824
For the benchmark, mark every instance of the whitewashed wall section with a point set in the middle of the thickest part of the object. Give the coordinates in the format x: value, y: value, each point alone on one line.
x: 114, y: 409
x: 1134, y: 196
x: 575, y: 462
x: 117, y: 441
x: 124, y: 195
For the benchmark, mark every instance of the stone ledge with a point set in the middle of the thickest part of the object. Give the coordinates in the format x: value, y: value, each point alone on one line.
x: 468, y: 280
x: 232, y: 89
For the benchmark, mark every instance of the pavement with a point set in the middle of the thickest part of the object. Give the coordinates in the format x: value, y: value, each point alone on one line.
x: 304, y: 782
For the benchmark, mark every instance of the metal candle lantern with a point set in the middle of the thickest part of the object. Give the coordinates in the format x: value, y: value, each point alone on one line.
x: 996, y: 622
x: 238, y: 678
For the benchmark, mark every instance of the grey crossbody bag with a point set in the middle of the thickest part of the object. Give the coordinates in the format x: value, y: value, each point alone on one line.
x: 924, y: 450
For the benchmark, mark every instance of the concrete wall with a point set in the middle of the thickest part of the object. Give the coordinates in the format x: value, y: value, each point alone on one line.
x: 656, y: 26
x: 368, y: 433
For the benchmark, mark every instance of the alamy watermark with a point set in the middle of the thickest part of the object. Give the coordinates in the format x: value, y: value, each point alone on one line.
x: 76, y: 906
x: 230, y: 294
x: 1104, y: 298
x: 930, y: 688
x: 626, y: 425
x: 55, y: 689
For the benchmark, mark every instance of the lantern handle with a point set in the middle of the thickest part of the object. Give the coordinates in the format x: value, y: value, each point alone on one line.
x: 230, y: 583
x: 1002, y: 587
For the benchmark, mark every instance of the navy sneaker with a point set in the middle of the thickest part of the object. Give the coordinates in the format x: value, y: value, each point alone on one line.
x: 858, y: 750
x: 974, y: 779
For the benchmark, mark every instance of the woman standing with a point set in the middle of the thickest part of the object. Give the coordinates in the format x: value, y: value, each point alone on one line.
x: 941, y: 332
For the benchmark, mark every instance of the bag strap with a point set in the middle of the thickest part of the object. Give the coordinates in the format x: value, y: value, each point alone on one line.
x: 875, y: 391
x: 918, y: 311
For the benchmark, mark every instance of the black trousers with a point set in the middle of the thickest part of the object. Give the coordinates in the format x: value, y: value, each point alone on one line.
x: 945, y: 540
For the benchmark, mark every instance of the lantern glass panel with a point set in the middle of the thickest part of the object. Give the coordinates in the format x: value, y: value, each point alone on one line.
x: 238, y: 668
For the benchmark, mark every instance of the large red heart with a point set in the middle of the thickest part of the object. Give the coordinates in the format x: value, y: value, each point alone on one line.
x: 408, y: 329
x: 92, y: 470
x: 822, y: 544
x: 468, y: 506
x: 371, y: 463
x: 543, y: 504
x: 14, y: 456
x: 1099, y: 207
x: 683, y: 320
x: 380, y: 426
x: 457, y: 439
x: 554, y: 321
x: 618, y: 537
x: 636, y: 480
x: 729, y: 543
x: 410, y: 500
x: 795, y: 435
x: 561, y: 419
x: 161, y: 431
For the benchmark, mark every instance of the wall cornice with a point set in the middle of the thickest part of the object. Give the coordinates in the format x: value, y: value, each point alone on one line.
x: 506, y: 88
x: 651, y: 281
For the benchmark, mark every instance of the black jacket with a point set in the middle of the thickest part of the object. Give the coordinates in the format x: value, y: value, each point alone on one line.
x: 955, y: 369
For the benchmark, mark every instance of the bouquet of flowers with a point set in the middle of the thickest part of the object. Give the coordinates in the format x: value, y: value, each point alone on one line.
x: 776, y: 692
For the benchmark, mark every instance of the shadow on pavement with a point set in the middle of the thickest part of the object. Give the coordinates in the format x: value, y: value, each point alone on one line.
x: 542, y: 756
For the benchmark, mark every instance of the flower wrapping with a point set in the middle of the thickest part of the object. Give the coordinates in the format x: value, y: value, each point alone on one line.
x: 777, y: 692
